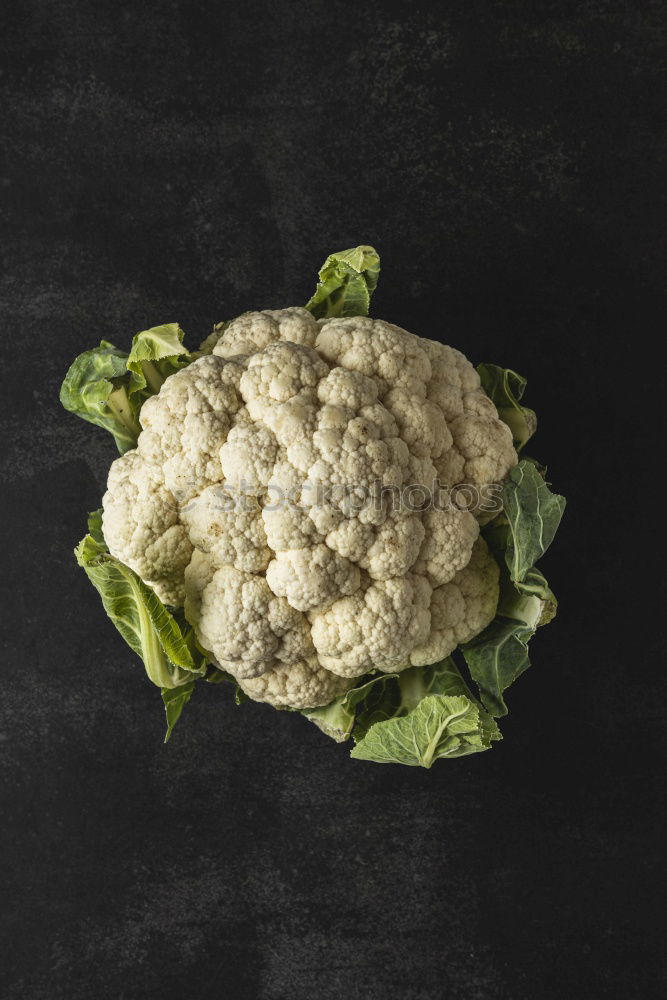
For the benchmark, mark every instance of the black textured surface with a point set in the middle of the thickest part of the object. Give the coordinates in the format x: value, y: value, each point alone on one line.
x: 186, y: 161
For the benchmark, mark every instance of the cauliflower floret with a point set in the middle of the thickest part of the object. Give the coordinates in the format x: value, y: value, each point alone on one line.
x: 394, y: 546
x: 229, y: 528
x: 311, y: 578
x: 482, y: 450
x: 141, y: 525
x: 376, y: 628
x: 304, y: 684
x: 240, y: 621
x: 342, y: 387
x: 351, y: 538
x: 483, y: 440
x: 452, y: 376
x: 354, y: 445
x: 198, y: 574
x: 449, y: 536
x: 186, y: 423
x: 376, y: 349
x: 286, y: 489
x: 420, y: 422
x: 285, y: 511
x: 247, y: 457
x: 288, y: 528
x: 357, y: 457
x: 253, y: 331
x: 280, y: 372
x: 461, y: 608
x: 280, y: 390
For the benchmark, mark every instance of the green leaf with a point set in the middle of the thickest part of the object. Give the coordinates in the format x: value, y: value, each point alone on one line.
x: 535, y: 585
x: 155, y: 355
x: 499, y: 654
x: 108, y: 387
x: 175, y: 700
x: 443, y: 678
x: 518, y: 537
x: 335, y: 720
x: 95, y: 388
x: 542, y: 469
x: 346, y: 283
x: 165, y: 644
x: 532, y: 513
x: 376, y: 697
x: 95, y: 527
x: 505, y: 388
x: 387, y: 696
x: 440, y: 726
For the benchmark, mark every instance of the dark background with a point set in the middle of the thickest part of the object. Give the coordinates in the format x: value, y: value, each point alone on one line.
x: 187, y: 161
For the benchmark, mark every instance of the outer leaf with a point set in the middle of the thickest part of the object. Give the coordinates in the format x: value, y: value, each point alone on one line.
x: 155, y: 355
x: 505, y: 388
x: 386, y: 696
x: 499, y: 654
x: 165, y: 645
x: 533, y: 514
x: 175, y: 700
x: 542, y: 469
x: 439, y: 678
x: 377, y: 693
x: 346, y: 283
x: 535, y: 585
x: 335, y: 720
x: 95, y: 388
x: 390, y: 696
x: 380, y: 699
x: 443, y: 678
x: 440, y: 726
x: 95, y: 527
x: 108, y: 387
x: 518, y: 537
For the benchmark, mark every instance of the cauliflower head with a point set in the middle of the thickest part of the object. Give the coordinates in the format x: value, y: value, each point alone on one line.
x: 297, y: 490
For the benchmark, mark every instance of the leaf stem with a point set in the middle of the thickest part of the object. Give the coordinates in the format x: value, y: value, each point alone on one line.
x: 152, y: 375
x: 119, y: 404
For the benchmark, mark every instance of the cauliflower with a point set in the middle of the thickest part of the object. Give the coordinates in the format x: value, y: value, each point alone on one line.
x: 321, y: 507
x: 282, y: 491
